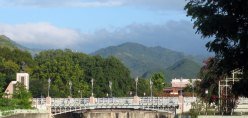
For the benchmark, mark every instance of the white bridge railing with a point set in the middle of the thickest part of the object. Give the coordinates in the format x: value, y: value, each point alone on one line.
x: 63, y: 105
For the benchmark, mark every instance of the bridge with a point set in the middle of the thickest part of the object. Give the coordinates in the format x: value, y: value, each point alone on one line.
x: 64, y: 105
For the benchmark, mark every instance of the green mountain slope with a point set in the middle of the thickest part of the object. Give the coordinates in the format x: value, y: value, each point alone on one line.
x: 183, y: 68
x: 7, y: 42
x: 142, y: 60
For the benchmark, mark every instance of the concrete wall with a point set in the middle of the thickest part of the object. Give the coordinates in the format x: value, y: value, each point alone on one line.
x: 29, y: 115
x: 244, y: 116
x: 114, y: 113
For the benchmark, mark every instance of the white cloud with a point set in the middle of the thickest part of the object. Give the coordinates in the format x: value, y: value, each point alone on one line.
x: 151, y: 4
x: 60, y: 3
x: 40, y: 35
x: 175, y: 35
x: 158, y: 4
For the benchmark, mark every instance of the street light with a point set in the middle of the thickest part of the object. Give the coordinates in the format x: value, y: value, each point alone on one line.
x: 151, y: 83
x: 206, y: 92
x: 193, y: 89
x: 92, y: 84
x: 80, y: 92
x: 110, y: 86
x: 48, y: 89
x: 70, y: 84
x: 136, y: 81
x: 181, y: 92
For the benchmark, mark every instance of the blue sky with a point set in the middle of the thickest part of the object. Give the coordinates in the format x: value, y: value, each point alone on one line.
x: 88, y: 25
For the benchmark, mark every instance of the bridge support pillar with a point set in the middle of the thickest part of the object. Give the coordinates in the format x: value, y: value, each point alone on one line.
x: 136, y: 100
x: 48, y: 105
x: 181, y: 103
x: 92, y: 100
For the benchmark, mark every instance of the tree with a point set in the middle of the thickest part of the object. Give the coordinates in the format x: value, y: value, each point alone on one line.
x: 226, y: 22
x: 22, y: 97
x: 63, y: 66
x: 158, y: 83
x: 210, y: 76
x: 143, y: 87
x: 11, y: 61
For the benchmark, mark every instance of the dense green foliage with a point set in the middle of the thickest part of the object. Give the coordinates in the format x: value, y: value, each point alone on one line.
x: 226, y: 21
x: 158, y: 81
x: 11, y: 62
x: 184, y: 68
x: 209, y: 81
x: 65, y: 66
x: 20, y: 99
x: 6, y: 42
x: 143, y: 61
x: 143, y: 87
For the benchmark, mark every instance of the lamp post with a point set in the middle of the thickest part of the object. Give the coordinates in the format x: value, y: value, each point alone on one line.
x: 206, y: 92
x: 92, y: 84
x: 193, y: 89
x: 151, y: 83
x: 80, y: 92
x: 48, y: 89
x: 181, y: 91
x: 136, y: 81
x: 110, y: 87
x: 70, y: 84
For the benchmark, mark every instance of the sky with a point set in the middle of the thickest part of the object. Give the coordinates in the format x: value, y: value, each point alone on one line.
x: 89, y: 25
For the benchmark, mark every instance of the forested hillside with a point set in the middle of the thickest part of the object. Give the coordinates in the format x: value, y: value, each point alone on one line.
x: 65, y: 66
x: 7, y: 42
x: 143, y: 61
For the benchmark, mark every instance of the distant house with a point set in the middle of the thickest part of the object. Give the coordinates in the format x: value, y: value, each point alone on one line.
x: 177, y: 85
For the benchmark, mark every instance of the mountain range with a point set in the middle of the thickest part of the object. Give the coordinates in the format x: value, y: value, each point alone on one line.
x: 7, y: 42
x: 141, y: 60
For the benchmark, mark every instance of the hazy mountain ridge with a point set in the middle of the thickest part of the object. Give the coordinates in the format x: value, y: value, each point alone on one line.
x: 7, y: 42
x: 142, y: 60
